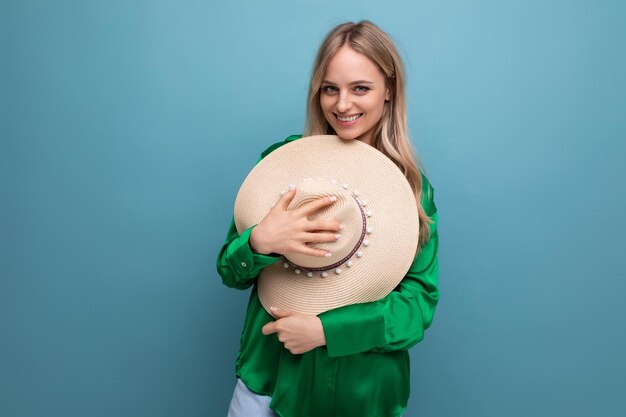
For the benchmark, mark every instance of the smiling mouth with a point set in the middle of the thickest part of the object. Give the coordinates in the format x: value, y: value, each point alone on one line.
x: 349, y: 118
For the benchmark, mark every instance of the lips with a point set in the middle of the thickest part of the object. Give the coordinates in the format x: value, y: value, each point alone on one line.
x: 348, y: 121
x: 348, y: 118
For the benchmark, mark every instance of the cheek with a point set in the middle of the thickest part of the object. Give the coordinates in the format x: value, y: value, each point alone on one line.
x: 376, y: 105
x: 325, y: 102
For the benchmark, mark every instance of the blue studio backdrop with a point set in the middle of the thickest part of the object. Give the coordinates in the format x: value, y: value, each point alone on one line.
x: 127, y: 128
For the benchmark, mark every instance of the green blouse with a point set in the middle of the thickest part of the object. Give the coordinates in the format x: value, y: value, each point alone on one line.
x: 364, y: 368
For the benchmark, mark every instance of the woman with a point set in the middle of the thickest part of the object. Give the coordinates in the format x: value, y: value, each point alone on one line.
x: 352, y: 360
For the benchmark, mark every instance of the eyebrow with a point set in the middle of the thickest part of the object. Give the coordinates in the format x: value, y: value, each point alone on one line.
x: 352, y: 83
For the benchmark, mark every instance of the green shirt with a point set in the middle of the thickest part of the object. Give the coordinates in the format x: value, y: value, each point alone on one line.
x: 364, y: 368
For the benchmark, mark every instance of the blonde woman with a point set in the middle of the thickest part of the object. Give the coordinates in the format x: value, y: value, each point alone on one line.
x: 352, y: 360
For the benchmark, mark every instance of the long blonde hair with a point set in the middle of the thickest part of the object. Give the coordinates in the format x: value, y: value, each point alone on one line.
x: 391, y: 134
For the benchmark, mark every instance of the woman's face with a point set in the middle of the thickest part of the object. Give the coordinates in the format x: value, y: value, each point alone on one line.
x: 353, y: 86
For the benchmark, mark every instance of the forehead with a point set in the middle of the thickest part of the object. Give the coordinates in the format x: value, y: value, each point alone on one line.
x: 348, y: 65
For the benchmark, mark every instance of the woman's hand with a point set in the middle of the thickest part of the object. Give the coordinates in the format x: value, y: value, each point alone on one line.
x: 298, y: 332
x: 285, y: 231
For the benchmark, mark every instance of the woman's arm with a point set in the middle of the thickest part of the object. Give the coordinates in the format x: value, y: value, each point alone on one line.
x: 237, y: 263
x: 397, y: 321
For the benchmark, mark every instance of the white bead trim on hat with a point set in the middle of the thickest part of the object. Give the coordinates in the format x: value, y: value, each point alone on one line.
x: 298, y: 269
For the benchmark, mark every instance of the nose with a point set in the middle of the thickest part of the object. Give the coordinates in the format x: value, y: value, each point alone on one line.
x: 343, y: 102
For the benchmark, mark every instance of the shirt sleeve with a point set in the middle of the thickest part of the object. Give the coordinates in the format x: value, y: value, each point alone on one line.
x: 397, y: 321
x: 237, y: 264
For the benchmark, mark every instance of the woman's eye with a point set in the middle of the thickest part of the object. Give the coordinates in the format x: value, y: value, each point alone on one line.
x: 329, y: 89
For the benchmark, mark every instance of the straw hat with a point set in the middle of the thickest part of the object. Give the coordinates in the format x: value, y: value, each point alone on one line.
x: 374, y: 202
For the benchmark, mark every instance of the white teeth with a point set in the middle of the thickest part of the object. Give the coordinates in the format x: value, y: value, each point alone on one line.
x: 348, y: 119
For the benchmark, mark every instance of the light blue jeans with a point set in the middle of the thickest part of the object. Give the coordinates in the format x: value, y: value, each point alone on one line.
x: 246, y: 403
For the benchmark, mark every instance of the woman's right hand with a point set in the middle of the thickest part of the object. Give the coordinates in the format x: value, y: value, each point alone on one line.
x: 286, y: 231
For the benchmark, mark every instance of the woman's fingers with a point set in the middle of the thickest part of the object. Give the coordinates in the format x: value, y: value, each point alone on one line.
x: 316, y: 238
x: 286, y: 198
x: 314, y: 231
x: 315, y: 205
x: 324, y: 225
x: 321, y: 237
x: 307, y: 250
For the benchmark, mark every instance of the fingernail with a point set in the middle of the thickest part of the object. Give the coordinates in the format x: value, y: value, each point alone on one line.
x: 328, y: 254
x: 273, y: 308
x: 292, y: 186
x: 333, y: 198
x: 342, y: 226
x: 337, y: 236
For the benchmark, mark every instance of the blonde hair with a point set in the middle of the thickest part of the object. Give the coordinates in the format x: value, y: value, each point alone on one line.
x: 391, y: 134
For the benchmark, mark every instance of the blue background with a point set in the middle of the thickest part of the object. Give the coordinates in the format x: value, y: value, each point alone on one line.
x: 127, y: 128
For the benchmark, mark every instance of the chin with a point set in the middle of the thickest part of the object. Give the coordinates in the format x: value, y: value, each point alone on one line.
x: 349, y: 136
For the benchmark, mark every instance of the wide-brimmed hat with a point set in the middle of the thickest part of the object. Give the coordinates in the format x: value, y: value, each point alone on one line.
x: 375, y: 203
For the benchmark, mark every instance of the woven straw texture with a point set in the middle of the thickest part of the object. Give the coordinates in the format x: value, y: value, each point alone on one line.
x: 311, y: 163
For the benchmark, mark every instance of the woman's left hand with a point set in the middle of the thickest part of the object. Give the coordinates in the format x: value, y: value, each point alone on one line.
x: 298, y: 332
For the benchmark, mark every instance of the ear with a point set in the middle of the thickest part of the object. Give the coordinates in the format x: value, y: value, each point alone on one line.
x: 387, y: 94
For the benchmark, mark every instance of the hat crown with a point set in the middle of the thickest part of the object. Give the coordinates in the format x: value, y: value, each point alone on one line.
x: 346, y: 210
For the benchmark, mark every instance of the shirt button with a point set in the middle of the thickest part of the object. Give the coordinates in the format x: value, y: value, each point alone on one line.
x: 244, y: 264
